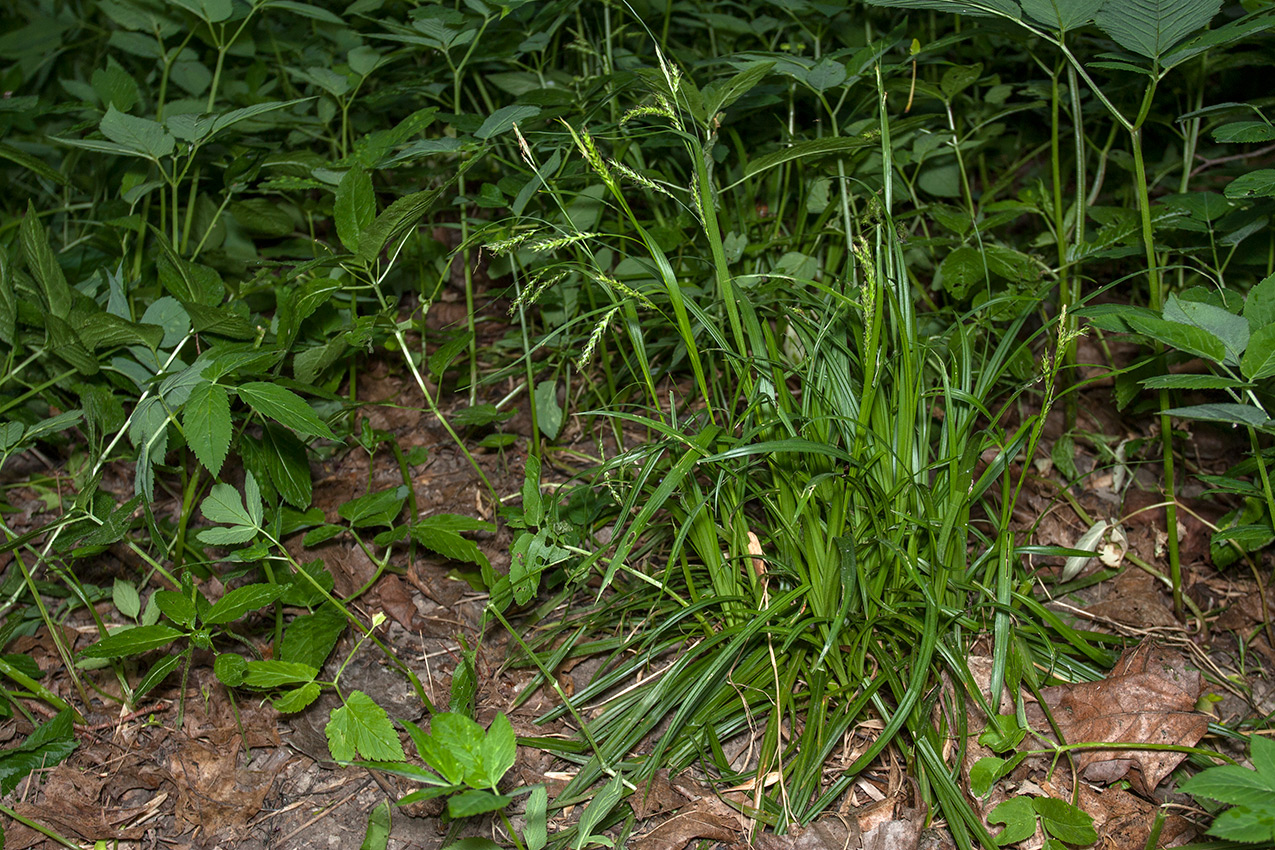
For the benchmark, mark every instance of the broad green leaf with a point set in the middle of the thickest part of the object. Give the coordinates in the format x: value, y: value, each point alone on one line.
x: 1192, y: 382
x: 1259, y: 357
x: 448, y: 544
x: 1231, y: 329
x: 209, y: 11
x: 132, y: 642
x: 597, y: 810
x: 1230, y: 414
x: 1150, y: 27
x: 532, y: 512
x: 452, y: 748
x: 548, y: 411
x: 402, y: 215
x: 32, y: 163
x: 1259, y: 306
x: 1062, y: 15
x: 362, y: 728
x: 1019, y: 818
x: 223, y: 504
x: 957, y: 78
x: 1005, y: 8
x: 1188, y: 338
x: 307, y: 10
x: 157, y: 674
x: 1253, y: 824
x: 275, y: 674
x: 229, y: 669
x: 720, y: 94
x: 355, y: 207
x: 1244, y: 132
x: 961, y: 270
x: 126, y: 600
x: 141, y: 135
x: 297, y: 699
x: 536, y: 832
x: 240, y: 601
x: 175, y: 606
x: 1254, y: 184
x: 49, y: 744
x: 805, y: 150
x: 285, y: 407
x: 227, y: 536
x: 1064, y: 821
x: 503, y: 120
x: 499, y: 748
x: 826, y: 74
x: 476, y: 802
x: 377, y: 836
x: 1230, y: 783
x: 206, y: 423
x: 288, y: 465
x: 375, y: 508
x: 43, y: 263
x: 309, y: 639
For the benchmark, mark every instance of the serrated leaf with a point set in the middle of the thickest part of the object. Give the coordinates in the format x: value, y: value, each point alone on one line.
x: 826, y: 74
x: 1150, y: 27
x: 1254, y: 184
x: 1259, y: 306
x: 499, y: 749
x: 206, y: 423
x: 503, y: 120
x: 288, y: 465
x: 1244, y: 132
x: 1062, y: 15
x: 43, y: 263
x: 158, y: 673
x: 1231, y: 329
x: 229, y: 669
x: 402, y: 215
x: 222, y: 536
x: 309, y: 639
x: 223, y: 504
x: 1259, y: 358
x: 1230, y: 414
x: 548, y: 411
x: 375, y: 508
x: 240, y: 601
x: 449, y: 544
x: 49, y: 744
x: 285, y: 407
x: 132, y: 642
x: 806, y: 150
x: 360, y: 727
x: 961, y: 270
x: 1192, y: 382
x: 1188, y: 338
x: 297, y: 699
x: 143, y: 136
x: 355, y: 207
x: 175, y: 606
x: 126, y: 599
x: 476, y: 802
x: 274, y: 674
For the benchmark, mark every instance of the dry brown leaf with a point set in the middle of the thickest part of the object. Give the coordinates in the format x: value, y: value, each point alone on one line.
x: 824, y: 834
x: 1148, y: 698
x: 695, y: 822
x: 213, y: 792
x: 655, y: 797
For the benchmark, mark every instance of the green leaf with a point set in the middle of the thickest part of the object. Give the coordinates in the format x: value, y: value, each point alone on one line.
x: 980, y: 8
x: 536, y: 832
x: 1192, y: 382
x: 375, y: 508
x: 1254, y: 184
x: 1259, y: 358
x: 451, y: 748
x: 49, y: 744
x: 309, y: 639
x: 285, y: 407
x: 1150, y: 27
x: 227, y: 536
x: 206, y: 423
x: 274, y: 674
x: 362, y: 728
x: 475, y: 802
x: 1259, y: 306
x: 503, y: 120
x: 720, y: 94
x: 449, y: 544
x: 1229, y: 414
x: 532, y: 511
x: 1188, y: 338
x: 957, y: 78
x: 402, y: 215
x: 548, y: 411
x: 132, y: 641
x: 229, y: 669
x: 802, y: 150
x: 175, y: 606
x: 224, y: 504
x: 1064, y: 821
x: 599, y: 807
x: 1249, y: 824
x: 1223, y: 324
x: 126, y: 600
x: 158, y: 673
x: 142, y: 136
x: 1019, y: 818
x: 1062, y: 15
x: 355, y: 207
x: 499, y: 748
x: 961, y: 270
x: 32, y: 163
x: 826, y: 74
x: 1244, y: 132
x: 288, y: 465
x: 378, y: 828
x: 297, y: 699
x: 240, y: 601
x: 44, y: 264
x: 209, y: 11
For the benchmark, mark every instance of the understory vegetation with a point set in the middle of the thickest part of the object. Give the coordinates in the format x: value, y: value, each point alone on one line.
x: 791, y: 294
